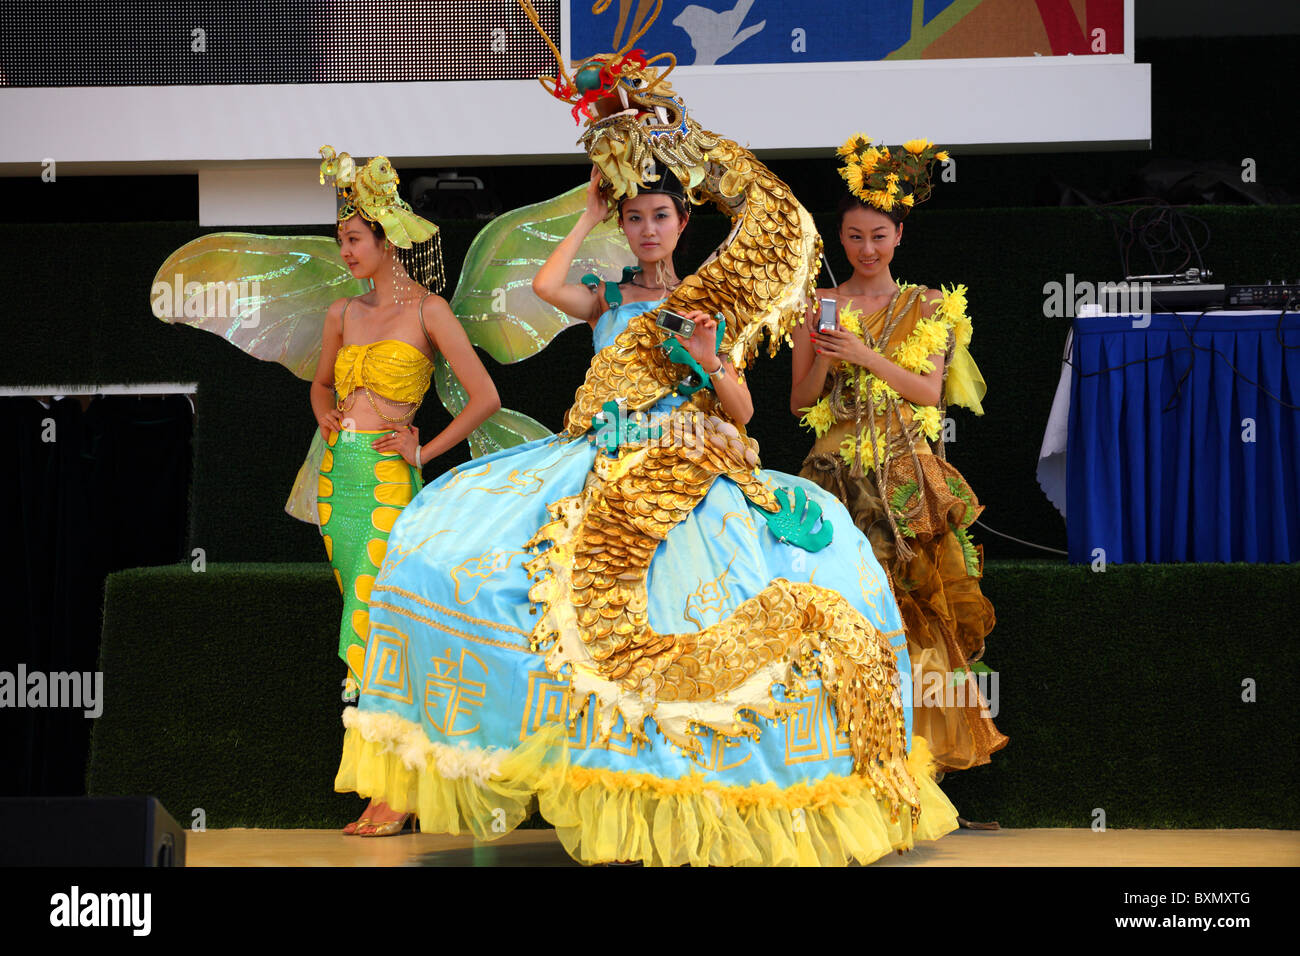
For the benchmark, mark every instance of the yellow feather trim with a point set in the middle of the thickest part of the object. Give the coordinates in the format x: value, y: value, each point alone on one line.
x: 952, y: 310
x: 927, y: 416
x: 851, y: 319
x: 850, y: 444
x: 881, y: 392
x: 818, y: 417
x: 606, y: 815
x: 929, y: 337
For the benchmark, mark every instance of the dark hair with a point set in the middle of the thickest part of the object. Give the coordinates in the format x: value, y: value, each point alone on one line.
x: 851, y: 201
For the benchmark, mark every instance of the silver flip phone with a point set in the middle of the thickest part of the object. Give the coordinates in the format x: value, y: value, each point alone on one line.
x: 677, y: 324
x: 829, y: 318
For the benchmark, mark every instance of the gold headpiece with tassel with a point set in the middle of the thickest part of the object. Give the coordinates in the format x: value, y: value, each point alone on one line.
x: 371, y: 192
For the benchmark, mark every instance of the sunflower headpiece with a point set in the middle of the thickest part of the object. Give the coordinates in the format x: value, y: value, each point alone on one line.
x: 892, y: 181
x: 371, y: 192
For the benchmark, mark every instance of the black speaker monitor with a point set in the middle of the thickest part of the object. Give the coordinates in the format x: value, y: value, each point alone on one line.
x: 89, y: 831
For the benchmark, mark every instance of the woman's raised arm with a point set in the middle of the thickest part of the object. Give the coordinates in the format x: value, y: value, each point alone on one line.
x: 572, y: 299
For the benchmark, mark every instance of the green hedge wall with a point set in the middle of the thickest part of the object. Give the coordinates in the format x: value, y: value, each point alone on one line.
x: 81, y: 315
x: 1119, y: 690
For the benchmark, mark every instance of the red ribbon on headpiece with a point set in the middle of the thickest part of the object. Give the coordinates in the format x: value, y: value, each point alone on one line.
x: 563, y: 90
x: 609, y: 74
x: 581, y: 106
x: 611, y: 70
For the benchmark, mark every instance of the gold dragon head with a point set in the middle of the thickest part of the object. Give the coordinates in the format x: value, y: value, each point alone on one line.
x: 632, y: 117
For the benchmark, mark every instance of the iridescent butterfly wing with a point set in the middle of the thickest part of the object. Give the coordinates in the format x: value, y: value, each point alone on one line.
x: 495, y: 302
x: 268, y: 296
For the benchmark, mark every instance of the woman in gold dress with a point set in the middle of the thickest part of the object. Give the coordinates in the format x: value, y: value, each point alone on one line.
x: 873, y: 384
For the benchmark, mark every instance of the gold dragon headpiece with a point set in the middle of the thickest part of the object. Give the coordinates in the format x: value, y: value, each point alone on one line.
x: 637, y: 128
x: 371, y: 192
x: 893, y: 181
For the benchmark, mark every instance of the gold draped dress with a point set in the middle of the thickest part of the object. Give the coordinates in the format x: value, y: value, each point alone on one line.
x: 884, y: 458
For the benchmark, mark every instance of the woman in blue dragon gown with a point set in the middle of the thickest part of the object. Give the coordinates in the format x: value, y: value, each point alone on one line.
x: 462, y: 723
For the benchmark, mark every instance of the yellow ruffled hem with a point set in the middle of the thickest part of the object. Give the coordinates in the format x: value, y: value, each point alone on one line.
x: 602, y: 816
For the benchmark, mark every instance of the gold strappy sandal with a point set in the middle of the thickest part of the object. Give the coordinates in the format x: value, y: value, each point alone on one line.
x: 356, y: 825
x: 391, y: 828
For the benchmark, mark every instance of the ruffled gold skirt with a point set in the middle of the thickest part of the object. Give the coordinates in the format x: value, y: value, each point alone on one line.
x: 937, y: 588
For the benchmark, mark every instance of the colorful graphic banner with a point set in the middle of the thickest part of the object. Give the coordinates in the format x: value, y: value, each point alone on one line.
x: 740, y: 32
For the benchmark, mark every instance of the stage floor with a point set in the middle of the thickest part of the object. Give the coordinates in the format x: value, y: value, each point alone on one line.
x: 961, y: 848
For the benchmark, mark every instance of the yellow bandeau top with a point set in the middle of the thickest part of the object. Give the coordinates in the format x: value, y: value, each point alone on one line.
x: 390, y: 368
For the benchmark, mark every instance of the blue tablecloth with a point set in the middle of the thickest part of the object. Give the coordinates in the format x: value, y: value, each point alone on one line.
x: 1161, y: 465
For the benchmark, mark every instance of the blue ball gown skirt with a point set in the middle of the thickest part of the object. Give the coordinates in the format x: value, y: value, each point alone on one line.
x: 461, y: 721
